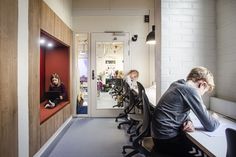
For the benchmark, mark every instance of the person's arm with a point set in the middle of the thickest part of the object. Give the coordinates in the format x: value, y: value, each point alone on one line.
x: 194, y: 100
x: 63, y: 92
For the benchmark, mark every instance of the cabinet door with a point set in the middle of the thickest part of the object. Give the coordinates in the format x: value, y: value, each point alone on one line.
x: 47, y: 19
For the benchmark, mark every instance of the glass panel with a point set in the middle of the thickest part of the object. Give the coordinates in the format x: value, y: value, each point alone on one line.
x: 109, y: 68
x: 82, y: 49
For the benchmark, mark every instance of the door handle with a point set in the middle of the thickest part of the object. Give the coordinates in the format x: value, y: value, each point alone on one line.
x: 93, y: 77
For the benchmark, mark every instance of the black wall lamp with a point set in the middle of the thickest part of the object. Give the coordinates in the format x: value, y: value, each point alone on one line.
x: 135, y: 37
x: 151, y: 37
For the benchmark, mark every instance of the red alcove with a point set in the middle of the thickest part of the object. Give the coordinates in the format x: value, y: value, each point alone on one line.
x: 55, y: 59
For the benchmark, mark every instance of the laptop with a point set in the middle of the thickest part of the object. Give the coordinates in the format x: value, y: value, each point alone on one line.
x: 52, y: 95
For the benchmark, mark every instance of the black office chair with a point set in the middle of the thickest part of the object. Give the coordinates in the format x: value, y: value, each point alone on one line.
x: 128, y: 109
x: 135, y: 103
x: 140, y: 143
x: 231, y: 142
x: 124, y: 99
x: 117, y: 89
x: 137, y: 117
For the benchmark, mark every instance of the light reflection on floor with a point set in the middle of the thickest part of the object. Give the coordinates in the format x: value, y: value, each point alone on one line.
x: 105, y: 101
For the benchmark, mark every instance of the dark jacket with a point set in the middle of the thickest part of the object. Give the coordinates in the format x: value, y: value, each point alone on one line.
x: 60, y: 89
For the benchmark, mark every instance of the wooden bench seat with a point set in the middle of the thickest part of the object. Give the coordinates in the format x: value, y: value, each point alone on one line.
x: 46, y: 113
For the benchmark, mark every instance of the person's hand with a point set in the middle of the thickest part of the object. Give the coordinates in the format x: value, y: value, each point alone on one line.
x: 61, y: 97
x: 214, y: 115
x: 188, y: 126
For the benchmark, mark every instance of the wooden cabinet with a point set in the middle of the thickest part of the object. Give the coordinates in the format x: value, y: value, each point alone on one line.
x: 47, y: 19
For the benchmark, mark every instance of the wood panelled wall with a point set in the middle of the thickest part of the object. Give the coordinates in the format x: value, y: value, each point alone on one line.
x: 8, y: 78
x: 42, y: 17
x: 53, y: 25
x: 34, y: 84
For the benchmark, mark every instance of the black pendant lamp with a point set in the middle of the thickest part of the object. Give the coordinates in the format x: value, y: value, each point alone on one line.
x: 151, y: 37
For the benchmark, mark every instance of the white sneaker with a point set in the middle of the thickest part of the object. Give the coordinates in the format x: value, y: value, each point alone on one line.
x: 47, y: 106
x: 52, y: 103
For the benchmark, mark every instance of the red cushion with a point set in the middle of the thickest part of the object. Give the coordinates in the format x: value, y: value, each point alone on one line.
x: 46, y: 113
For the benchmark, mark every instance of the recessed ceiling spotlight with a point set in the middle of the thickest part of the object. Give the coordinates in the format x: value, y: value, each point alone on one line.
x: 49, y: 45
x: 42, y: 41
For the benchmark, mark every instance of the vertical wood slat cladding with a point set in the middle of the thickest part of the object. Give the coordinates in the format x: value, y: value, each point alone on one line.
x: 34, y: 62
x: 47, y: 19
x: 41, y: 17
x: 8, y: 78
x: 49, y: 127
x: 62, y: 32
x: 59, y: 31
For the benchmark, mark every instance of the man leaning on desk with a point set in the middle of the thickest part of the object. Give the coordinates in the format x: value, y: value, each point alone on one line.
x: 171, y: 115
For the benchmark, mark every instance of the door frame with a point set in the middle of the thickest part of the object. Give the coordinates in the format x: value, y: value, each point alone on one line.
x: 105, y: 37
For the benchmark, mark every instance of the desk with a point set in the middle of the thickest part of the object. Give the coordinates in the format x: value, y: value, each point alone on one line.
x: 207, y: 145
x: 151, y: 94
x: 211, y: 143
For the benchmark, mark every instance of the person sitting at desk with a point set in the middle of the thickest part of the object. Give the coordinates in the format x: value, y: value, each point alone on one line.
x: 56, y: 86
x: 131, y: 78
x: 171, y: 115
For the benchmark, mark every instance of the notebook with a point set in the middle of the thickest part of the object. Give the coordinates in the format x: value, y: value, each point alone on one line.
x: 52, y: 95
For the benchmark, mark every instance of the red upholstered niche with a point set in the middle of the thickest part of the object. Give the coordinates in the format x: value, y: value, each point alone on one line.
x: 57, y: 61
x: 42, y: 73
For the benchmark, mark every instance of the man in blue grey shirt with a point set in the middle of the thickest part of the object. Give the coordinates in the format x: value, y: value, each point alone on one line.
x: 171, y: 115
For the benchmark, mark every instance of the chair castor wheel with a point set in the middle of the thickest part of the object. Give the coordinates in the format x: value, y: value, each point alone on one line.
x: 118, y: 127
x: 116, y: 120
x: 124, y: 152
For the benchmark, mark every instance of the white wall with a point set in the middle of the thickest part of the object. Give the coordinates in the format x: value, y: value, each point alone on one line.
x: 22, y: 79
x: 188, y: 38
x: 226, y: 49
x: 63, y: 9
x: 116, y: 15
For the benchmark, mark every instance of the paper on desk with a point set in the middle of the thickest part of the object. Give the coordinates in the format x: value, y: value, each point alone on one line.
x: 220, y: 131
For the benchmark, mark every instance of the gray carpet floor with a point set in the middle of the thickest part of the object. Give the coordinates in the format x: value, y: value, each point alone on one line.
x: 92, y: 137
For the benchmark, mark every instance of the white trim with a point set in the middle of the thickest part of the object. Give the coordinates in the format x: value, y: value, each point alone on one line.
x: 55, y: 136
x: 22, y: 79
x: 109, y: 12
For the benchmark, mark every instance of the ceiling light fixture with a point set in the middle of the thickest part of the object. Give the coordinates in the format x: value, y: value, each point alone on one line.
x: 50, y: 45
x: 42, y: 41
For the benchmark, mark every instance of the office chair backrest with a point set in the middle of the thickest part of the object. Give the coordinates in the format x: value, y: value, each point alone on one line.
x: 146, y: 112
x: 146, y: 121
x: 126, y: 87
x: 140, y: 89
x: 231, y: 142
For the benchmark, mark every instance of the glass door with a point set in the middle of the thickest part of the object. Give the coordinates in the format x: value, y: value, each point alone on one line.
x: 82, y: 51
x: 109, y: 61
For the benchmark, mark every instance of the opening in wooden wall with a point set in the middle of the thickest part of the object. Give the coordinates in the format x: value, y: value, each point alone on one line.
x: 54, y: 76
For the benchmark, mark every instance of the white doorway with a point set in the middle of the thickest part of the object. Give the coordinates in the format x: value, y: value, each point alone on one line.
x: 109, y: 56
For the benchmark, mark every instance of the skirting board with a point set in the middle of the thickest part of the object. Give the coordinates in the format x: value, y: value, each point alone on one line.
x: 224, y: 107
x: 46, y: 149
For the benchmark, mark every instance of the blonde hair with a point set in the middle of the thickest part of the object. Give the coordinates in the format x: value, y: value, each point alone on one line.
x: 202, y: 73
x: 55, y: 75
x: 132, y: 71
